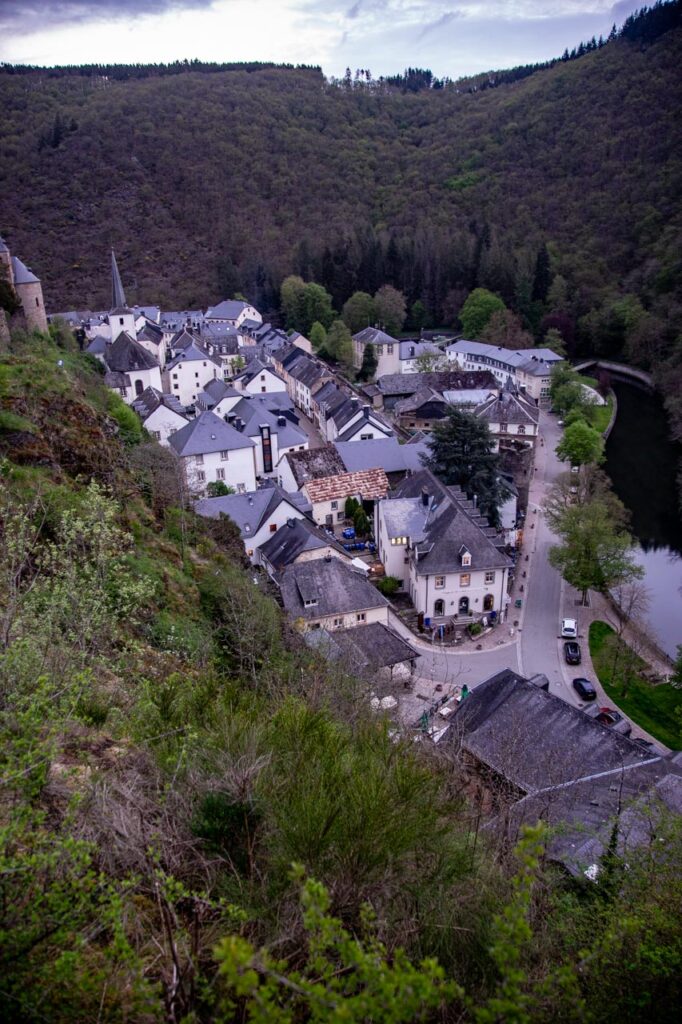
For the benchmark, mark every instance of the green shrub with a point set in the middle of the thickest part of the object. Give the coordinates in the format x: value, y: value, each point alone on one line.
x: 388, y: 586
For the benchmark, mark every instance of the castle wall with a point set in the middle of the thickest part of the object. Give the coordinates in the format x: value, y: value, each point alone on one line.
x: 31, y: 298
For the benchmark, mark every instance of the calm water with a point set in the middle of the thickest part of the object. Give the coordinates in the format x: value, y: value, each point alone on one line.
x: 643, y: 465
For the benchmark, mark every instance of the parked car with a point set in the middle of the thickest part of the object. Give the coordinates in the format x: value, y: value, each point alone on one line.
x: 611, y: 718
x: 584, y: 688
x: 569, y: 628
x: 572, y: 652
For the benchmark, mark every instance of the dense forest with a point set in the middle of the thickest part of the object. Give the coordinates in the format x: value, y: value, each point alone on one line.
x: 211, y: 180
x: 201, y: 820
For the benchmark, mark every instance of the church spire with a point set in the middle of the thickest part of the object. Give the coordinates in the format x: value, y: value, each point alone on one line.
x: 118, y: 299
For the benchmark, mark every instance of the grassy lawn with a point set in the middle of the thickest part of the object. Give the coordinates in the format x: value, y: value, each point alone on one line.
x: 600, y: 415
x: 652, y: 707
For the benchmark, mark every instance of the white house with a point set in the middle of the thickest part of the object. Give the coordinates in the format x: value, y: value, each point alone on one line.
x: 189, y: 372
x: 512, y: 418
x: 434, y: 541
x: 233, y: 312
x: 259, y: 515
x: 328, y: 594
x: 272, y: 433
x: 161, y: 415
x: 386, y: 350
x: 213, y: 451
x: 529, y: 368
x: 259, y: 379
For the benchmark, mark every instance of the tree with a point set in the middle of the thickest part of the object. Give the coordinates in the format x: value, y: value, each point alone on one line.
x: 318, y: 336
x: 554, y: 341
x: 477, y: 311
x: 304, y: 304
x: 361, y: 522
x: 339, y: 344
x: 291, y: 294
x: 369, y: 363
x: 358, y: 312
x: 352, y: 504
x: 429, y: 362
x: 631, y: 602
x: 543, y: 276
x: 218, y: 489
x: 418, y: 315
x: 462, y: 453
x: 581, y: 444
x: 594, y: 554
x: 390, y: 308
x: 504, y: 328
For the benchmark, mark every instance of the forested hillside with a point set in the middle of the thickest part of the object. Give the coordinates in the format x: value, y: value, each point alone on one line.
x: 183, y: 782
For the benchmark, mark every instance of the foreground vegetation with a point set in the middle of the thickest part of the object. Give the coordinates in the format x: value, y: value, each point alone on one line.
x: 657, y: 708
x: 200, y: 820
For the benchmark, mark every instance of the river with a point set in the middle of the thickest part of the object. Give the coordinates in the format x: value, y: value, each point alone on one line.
x: 643, y: 464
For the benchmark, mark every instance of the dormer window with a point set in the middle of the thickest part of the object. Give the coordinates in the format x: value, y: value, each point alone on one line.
x: 465, y: 555
x: 310, y: 602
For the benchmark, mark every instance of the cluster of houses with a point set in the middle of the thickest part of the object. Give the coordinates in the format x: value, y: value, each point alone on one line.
x: 269, y: 435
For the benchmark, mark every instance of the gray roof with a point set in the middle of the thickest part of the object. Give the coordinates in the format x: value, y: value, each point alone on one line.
x: 369, y: 420
x: 208, y: 433
x: 228, y: 309
x: 329, y: 587
x: 117, y: 379
x: 414, y: 349
x: 528, y: 359
x: 249, y: 511
x: 444, y: 380
x: 445, y: 524
x: 97, y: 346
x: 509, y: 407
x: 567, y: 768
x: 293, y: 539
x: 22, y: 274
x: 126, y: 355
x: 315, y: 464
x: 151, y: 399
x: 255, y: 411
x: 215, y: 391
x: 255, y: 368
x: 118, y: 299
x: 379, y: 453
x: 374, y: 336
x: 363, y: 648
x: 192, y: 353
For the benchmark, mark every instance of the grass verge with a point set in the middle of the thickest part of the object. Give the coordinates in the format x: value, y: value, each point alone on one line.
x: 654, y: 708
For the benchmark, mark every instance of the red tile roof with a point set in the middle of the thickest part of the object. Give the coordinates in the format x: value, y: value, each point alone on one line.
x: 368, y: 483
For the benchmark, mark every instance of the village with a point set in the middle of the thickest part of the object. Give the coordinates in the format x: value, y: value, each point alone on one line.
x: 461, y: 630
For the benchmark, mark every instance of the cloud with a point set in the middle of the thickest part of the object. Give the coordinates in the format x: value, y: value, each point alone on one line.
x: 439, y: 23
x: 21, y: 16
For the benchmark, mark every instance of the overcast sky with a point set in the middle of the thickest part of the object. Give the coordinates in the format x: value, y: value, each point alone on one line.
x: 452, y: 37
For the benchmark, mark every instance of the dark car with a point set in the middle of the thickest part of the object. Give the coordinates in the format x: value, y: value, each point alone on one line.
x: 584, y: 689
x: 572, y: 652
x: 614, y: 719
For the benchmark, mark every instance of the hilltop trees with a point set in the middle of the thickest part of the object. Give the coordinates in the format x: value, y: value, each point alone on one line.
x: 305, y: 304
x: 477, y: 311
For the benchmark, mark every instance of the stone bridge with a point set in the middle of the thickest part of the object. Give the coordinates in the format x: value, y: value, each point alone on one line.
x: 619, y: 371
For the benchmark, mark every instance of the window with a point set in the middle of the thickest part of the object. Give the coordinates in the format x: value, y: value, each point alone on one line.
x: 173, y: 430
x: 398, y: 540
x: 489, y: 578
x: 175, y: 376
x: 389, y: 349
x: 196, y: 374
x: 521, y: 429
x: 504, y: 427
x: 465, y: 579
x: 340, y: 516
x: 360, y: 617
x: 310, y: 602
x: 366, y: 437
x: 199, y: 459
x: 224, y: 456
x: 201, y: 476
x: 466, y: 555
x: 220, y: 474
x: 439, y: 582
x: 439, y: 607
x: 262, y: 376
x: 156, y: 434
x: 338, y: 622
x: 335, y: 505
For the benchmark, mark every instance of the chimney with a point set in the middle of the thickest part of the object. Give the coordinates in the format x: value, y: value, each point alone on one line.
x: 366, y: 412
x: 291, y: 523
x: 475, y: 501
x: 412, y: 351
x: 230, y: 417
x: 281, y: 421
x: 425, y: 497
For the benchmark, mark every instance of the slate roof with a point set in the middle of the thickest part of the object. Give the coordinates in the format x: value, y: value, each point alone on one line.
x: 255, y: 412
x: 567, y: 768
x: 249, y: 511
x: 118, y: 299
x: 255, y: 368
x: 362, y: 424
x: 528, y: 359
x: 374, y: 336
x: 181, y: 340
x: 97, y: 346
x: 116, y: 379
x: 127, y: 356
x: 293, y: 539
x: 414, y: 349
x: 413, y: 403
x: 229, y: 309
x: 208, y: 433
x: 151, y: 332
x: 22, y: 274
x: 151, y: 399
x: 445, y: 380
x: 314, y: 463
x: 362, y: 648
x: 368, y: 483
x: 384, y: 453
x: 335, y: 587
x: 509, y: 407
x: 192, y: 353
x: 440, y: 528
x: 215, y: 391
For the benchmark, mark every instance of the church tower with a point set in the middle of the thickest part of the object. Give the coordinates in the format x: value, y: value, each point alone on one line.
x: 121, y: 318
